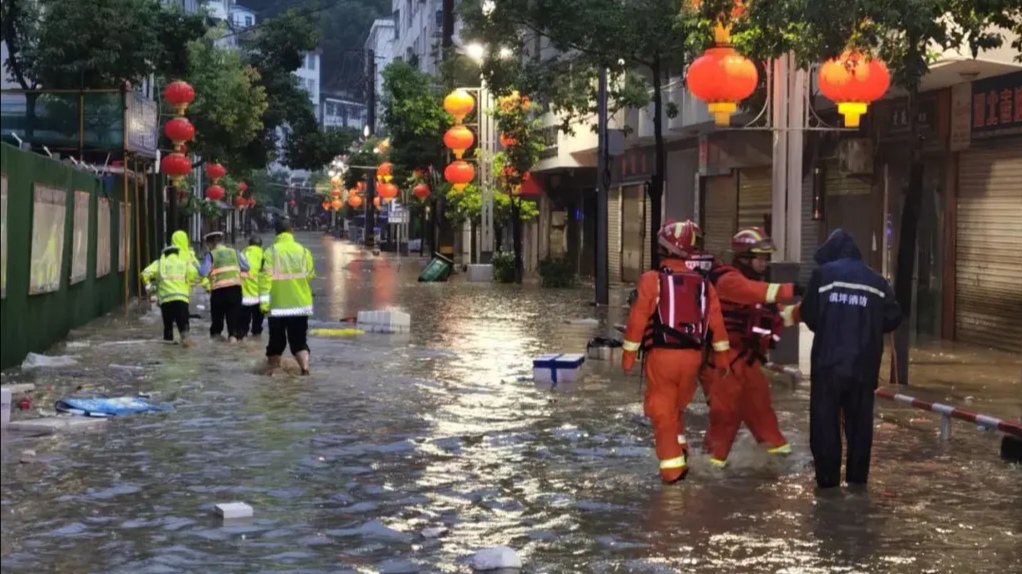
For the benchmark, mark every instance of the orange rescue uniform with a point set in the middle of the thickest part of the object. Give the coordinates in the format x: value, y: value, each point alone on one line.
x: 744, y: 394
x: 671, y: 373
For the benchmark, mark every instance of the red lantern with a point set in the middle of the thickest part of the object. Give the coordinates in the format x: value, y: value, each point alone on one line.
x: 325, y: 204
x: 175, y: 165
x: 355, y: 200
x: 385, y: 171
x: 251, y: 202
x: 459, y: 104
x: 506, y: 141
x: 387, y: 190
x: 179, y: 94
x: 239, y: 201
x: 215, y: 171
x: 337, y: 204
x: 459, y: 173
x: 853, y: 82
x: 421, y: 191
x: 529, y: 187
x: 458, y: 139
x: 178, y: 131
x: 361, y: 186
x: 215, y: 193
x: 335, y: 193
x: 242, y: 187
x: 722, y: 77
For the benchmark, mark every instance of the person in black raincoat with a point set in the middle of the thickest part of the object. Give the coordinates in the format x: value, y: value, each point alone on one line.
x: 849, y: 307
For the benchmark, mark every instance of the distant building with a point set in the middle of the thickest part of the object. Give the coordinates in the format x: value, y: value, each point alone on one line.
x: 381, y: 41
x: 341, y: 112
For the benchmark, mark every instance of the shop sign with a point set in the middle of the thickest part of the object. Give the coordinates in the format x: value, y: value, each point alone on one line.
x: 997, y: 106
x: 961, y: 116
x: 142, y: 117
x: 897, y: 119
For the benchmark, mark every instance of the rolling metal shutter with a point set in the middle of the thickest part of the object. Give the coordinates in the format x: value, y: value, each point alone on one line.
x: 754, y: 197
x: 614, y: 235
x: 720, y: 214
x: 810, y: 232
x: 988, y: 292
x: 647, y: 223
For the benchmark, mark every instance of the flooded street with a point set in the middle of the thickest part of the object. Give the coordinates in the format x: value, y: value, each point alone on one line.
x: 441, y: 428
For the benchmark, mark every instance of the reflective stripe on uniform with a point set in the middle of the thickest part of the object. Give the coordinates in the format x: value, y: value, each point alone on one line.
x: 251, y: 300
x: 783, y: 449
x: 677, y: 462
x: 264, y: 299
x: 630, y: 346
x: 291, y: 312
x: 853, y: 286
x: 225, y: 269
x: 288, y: 276
x: 226, y: 283
x: 721, y: 346
x: 682, y: 439
x: 771, y: 293
x: 166, y: 296
x: 718, y: 463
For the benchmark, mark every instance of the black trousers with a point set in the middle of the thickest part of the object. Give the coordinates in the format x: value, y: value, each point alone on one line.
x: 174, y: 312
x: 225, y: 306
x: 831, y: 399
x: 252, y: 319
x: 287, y: 331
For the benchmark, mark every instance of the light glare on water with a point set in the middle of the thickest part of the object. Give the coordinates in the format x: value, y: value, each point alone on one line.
x: 395, y: 435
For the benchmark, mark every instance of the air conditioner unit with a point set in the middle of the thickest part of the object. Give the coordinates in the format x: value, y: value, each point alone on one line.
x: 855, y: 156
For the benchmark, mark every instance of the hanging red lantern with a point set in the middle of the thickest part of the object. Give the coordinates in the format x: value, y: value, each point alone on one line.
x: 325, y: 204
x: 215, y: 171
x: 507, y: 141
x: 529, y: 187
x: 178, y: 131
x: 336, y: 181
x: 242, y: 187
x: 337, y: 204
x: 335, y: 192
x: 421, y: 191
x: 459, y: 173
x: 459, y: 104
x: 852, y: 81
x: 360, y: 186
x: 458, y: 139
x: 215, y: 193
x: 251, y: 202
x: 175, y: 165
x: 355, y: 200
x: 179, y: 94
x: 722, y: 77
x: 385, y: 171
x: 239, y: 202
x: 387, y: 190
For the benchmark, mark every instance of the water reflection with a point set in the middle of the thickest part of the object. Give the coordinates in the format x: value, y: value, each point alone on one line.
x: 392, y: 435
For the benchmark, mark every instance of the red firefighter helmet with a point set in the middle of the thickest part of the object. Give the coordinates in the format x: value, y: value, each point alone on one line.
x: 752, y: 241
x: 681, y: 238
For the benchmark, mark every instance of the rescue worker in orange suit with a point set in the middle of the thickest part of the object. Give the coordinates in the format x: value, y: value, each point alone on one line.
x: 676, y: 310
x: 753, y: 320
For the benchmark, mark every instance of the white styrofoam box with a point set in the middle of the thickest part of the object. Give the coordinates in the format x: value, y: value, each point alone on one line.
x: 556, y: 368
x: 233, y: 510
x: 384, y: 321
x: 5, y: 405
x: 480, y: 273
x: 51, y: 425
x: 496, y: 558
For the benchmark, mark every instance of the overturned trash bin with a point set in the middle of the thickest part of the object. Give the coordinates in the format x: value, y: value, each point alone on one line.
x: 439, y: 269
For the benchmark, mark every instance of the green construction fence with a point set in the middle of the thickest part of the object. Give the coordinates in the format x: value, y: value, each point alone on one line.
x: 34, y: 322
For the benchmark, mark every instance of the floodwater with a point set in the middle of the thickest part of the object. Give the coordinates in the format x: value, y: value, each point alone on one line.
x: 396, y: 434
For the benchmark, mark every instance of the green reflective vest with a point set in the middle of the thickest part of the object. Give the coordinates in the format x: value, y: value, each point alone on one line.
x: 250, y: 279
x: 173, y: 275
x: 284, y: 280
x: 226, y: 271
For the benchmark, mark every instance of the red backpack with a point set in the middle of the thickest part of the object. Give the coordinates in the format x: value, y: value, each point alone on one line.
x: 679, y: 321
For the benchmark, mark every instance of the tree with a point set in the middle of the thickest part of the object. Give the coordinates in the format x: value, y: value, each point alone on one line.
x: 515, y: 116
x: 903, y: 35
x: 229, y: 103
x: 639, y: 42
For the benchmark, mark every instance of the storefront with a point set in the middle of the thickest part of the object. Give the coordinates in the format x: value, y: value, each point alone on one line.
x: 754, y: 197
x: 988, y: 238
x: 719, y: 213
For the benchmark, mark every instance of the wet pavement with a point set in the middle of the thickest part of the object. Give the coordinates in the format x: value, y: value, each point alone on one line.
x: 394, y: 435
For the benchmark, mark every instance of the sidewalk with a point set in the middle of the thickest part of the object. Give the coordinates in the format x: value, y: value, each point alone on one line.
x: 981, y: 380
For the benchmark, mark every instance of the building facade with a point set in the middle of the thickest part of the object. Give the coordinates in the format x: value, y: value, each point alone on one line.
x: 340, y: 112
x: 380, y: 43
x: 417, y: 33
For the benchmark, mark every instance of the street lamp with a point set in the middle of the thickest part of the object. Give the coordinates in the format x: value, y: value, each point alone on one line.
x: 476, y: 51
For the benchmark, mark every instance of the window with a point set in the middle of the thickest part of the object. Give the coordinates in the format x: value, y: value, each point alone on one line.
x: 310, y: 61
x: 248, y: 21
x: 439, y: 18
x: 312, y: 87
x: 397, y: 24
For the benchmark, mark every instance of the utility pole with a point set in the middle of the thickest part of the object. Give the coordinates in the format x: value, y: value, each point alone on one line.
x: 487, y: 141
x: 602, y: 191
x: 445, y: 233
x: 371, y: 124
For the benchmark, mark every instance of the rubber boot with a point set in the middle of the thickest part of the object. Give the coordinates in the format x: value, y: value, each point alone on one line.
x: 303, y: 361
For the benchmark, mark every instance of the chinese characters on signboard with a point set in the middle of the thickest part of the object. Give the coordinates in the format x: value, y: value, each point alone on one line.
x: 997, y: 106
x: 143, y: 119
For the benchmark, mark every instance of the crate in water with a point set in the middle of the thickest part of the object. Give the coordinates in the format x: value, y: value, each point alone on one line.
x: 384, y: 321
x: 556, y: 368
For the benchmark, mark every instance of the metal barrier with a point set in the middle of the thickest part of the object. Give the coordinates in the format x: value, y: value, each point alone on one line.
x: 948, y: 412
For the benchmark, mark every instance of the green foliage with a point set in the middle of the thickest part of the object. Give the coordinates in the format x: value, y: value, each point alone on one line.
x: 366, y: 155
x: 229, y: 103
x: 503, y: 267
x: 268, y: 187
x: 415, y: 118
x: 556, y: 272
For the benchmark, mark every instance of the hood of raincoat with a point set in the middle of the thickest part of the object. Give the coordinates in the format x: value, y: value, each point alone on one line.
x: 180, y: 240
x: 840, y: 245
x: 171, y: 250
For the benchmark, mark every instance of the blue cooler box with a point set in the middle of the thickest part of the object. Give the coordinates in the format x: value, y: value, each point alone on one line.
x: 557, y: 368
